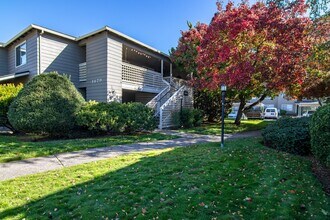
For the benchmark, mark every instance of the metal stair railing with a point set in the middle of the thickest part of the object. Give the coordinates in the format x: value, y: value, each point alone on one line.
x: 169, y: 107
x: 154, y: 103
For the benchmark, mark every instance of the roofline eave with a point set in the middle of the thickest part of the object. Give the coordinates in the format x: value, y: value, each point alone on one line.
x: 106, y: 28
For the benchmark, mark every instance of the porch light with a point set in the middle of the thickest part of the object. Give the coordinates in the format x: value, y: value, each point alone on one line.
x: 223, y: 88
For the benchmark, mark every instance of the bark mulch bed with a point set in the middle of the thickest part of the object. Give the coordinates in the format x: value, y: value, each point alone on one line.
x: 322, y: 173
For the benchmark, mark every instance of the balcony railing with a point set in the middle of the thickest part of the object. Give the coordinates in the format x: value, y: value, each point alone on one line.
x: 82, y: 72
x: 142, y: 78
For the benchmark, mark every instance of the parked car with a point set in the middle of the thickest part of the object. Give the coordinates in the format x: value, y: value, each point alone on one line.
x: 271, y: 113
x: 308, y: 113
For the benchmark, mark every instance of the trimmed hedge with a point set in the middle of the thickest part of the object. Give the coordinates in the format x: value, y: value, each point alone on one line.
x: 46, y: 105
x: 288, y: 134
x: 116, y: 117
x: 8, y: 92
x: 138, y: 117
x: 188, y: 118
x: 320, y: 134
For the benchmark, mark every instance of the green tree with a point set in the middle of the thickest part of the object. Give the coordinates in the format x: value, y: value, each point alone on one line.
x: 317, y: 7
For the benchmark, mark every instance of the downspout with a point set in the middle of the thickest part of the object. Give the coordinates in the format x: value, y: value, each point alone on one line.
x: 162, y: 67
x: 171, y: 73
x: 39, y: 52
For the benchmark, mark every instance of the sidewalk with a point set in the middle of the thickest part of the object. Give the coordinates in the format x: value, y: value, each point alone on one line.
x: 14, y: 169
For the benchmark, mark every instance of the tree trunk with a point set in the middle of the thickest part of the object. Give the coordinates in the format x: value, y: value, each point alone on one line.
x: 255, y: 103
x: 319, y: 100
x: 242, y: 107
x: 240, y: 111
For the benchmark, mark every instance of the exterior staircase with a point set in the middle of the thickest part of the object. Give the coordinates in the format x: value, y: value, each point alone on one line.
x: 176, y: 95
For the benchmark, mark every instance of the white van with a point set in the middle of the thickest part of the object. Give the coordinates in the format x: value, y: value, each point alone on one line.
x: 271, y: 113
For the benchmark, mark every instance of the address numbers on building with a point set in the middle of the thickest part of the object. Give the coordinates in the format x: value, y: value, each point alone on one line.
x: 96, y: 80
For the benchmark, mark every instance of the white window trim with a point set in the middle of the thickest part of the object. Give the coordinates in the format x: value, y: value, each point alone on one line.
x: 24, y: 42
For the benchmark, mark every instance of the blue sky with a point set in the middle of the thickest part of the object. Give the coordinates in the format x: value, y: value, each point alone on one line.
x: 154, y: 22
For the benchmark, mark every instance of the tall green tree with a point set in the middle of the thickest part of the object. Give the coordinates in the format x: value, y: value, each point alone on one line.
x: 317, y: 7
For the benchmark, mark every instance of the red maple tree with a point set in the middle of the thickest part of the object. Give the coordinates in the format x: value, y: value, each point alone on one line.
x: 185, y: 54
x: 257, y: 51
x: 317, y: 82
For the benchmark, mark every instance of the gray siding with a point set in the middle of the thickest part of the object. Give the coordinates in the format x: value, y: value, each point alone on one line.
x: 96, y: 59
x: 279, y: 102
x: 31, y: 56
x: 114, y: 69
x: 283, y: 101
x: 61, y: 55
x: 3, y: 61
x: 188, y: 101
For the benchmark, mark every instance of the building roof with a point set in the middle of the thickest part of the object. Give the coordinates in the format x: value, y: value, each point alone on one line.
x: 13, y: 76
x: 106, y: 28
x: 112, y: 31
x: 37, y: 27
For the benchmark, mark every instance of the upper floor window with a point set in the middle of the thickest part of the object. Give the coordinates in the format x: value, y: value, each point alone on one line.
x: 20, y: 52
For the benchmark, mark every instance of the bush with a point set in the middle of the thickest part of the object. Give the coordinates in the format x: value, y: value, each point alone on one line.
x: 282, y: 112
x: 288, y: 134
x: 7, y: 94
x: 188, y: 118
x: 46, y: 105
x: 116, y: 117
x: 198, y: 117
x: 320, y: 134
x: 138, y: 117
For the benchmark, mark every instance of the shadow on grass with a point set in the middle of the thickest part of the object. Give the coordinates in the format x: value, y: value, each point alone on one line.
x: 245, y: 181
x: 6, y: 160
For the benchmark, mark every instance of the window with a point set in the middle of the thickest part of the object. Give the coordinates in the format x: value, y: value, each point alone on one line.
x: 287, y: 107
x: 270, y: 110
x: 269, y: 106
x: 20, y: 53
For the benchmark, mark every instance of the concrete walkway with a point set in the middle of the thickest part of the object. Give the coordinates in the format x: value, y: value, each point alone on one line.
x: 14, y: 169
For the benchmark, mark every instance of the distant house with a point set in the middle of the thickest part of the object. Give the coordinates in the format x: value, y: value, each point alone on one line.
x: 281, y: 102
x: 290, y: 106
x: 105, y: 65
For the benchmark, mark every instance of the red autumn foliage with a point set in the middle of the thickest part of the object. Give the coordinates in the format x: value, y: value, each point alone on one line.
x: 260, y: 48
x: 256, y: 50
x: 185, y: 54
x: 317, y: 82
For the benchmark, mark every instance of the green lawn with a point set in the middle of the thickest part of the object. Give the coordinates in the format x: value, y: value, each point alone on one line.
x: 17, y: 148
x: 245, y: 180
x: 230, y: 127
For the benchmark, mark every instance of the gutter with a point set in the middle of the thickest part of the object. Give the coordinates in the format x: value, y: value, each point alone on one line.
x: 37, y: 27
x: 13, y: 76
x: 39, y: 52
